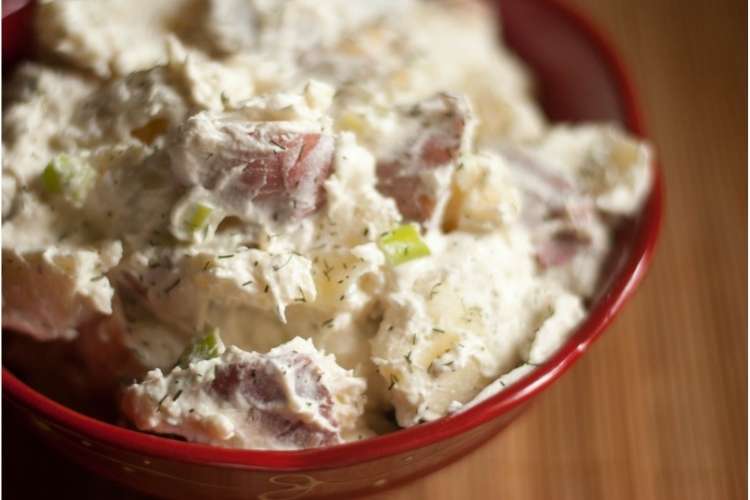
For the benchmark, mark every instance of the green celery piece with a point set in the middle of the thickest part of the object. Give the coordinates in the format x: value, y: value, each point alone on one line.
x: 63, y: 175
x: 52, y: 179
x: 208, y: 346
x: 199, y: 217
x: 403, y: 244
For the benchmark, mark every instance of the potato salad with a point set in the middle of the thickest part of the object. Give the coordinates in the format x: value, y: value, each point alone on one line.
x: 291, y: 224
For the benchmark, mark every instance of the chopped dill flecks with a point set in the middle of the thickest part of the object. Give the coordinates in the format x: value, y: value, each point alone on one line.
x: 277, y: 268
x: 173, y: 285
x: 433, y: 290
x: 158, y: 406
x: 277, y: 145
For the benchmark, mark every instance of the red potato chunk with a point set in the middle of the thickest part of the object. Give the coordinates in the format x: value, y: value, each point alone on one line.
x: 546, y: 192
x: 292, y: 397
x: 434, y: 131
x: 561, y: 248
x: 293, y: 175
x: 261, y: 384
x: 279, y: 165
x: 557, y: 214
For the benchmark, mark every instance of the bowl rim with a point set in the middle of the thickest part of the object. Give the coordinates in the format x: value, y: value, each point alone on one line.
x: 404, y: 440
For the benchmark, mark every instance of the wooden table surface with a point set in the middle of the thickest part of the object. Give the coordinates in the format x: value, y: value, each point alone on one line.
x: 658, y: 408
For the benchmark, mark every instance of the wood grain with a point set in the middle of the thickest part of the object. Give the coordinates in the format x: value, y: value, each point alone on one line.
x: 658, y: 408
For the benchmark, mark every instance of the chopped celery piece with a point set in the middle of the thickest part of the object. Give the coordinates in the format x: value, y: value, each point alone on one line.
x: 63, y: 175
x: 52, y: 178
x: 199, y: 216
x: 403, y: 244
x: 207, y: 346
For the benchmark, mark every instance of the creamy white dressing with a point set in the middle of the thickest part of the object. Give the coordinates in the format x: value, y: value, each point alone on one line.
x: 245, y: 166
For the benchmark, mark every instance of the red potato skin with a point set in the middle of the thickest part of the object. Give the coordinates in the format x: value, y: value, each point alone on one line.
x: 273, y: 165
x: 561, y: 248
x: 280, y: 176
x: 260, y: 385
x: 562, y: 202
x: 436, y: 143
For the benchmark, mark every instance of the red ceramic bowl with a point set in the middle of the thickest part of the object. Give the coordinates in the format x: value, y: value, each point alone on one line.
x: 580, y: 78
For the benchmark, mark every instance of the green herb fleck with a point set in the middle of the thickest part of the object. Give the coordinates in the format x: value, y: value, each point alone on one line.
x: 158, y: 406
x: 277, y: 268
x: 277, y: 145
x: 173, y: 286
x: 433, y: 290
